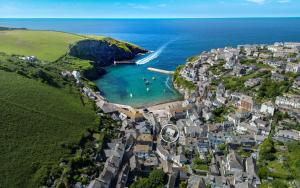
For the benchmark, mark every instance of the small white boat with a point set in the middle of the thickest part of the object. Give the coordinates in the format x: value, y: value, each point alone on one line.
x: 131, y: 95
x: 148, y: 89
x: 153, y: 78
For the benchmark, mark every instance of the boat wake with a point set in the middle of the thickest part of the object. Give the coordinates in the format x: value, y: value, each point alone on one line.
x: 153, y: 55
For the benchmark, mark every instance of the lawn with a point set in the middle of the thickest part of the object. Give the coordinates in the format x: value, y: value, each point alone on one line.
x: 36, y: 120
x: 46, y: 45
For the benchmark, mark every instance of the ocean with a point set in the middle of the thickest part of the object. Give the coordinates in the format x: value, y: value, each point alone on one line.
x: 172, y: 42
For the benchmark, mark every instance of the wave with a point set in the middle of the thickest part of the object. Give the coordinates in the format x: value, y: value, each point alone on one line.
x: 154, y: 55
x: 167, y: 83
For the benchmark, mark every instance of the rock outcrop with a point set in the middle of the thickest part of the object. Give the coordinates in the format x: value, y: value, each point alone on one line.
x: 104, y: 52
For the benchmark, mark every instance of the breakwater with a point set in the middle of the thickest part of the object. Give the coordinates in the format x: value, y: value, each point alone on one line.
x: 160, y: 70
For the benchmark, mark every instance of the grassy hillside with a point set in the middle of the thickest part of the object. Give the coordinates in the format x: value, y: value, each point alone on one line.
x: 36, y: 120
x: 43, y: 117
x: 46, y: 45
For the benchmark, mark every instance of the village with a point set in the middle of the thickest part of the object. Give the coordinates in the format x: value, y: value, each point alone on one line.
x: 242, y: 98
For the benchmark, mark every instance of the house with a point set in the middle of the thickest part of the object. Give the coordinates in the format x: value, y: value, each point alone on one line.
x: 265, y: 131
x: 171, y: 132
x: 207, y: 114
x: 280, y: 54
x: 193, y: 131
x: 275, y: 64
x: 265, y: 55
x: 234, y: 118
x: 260, y: 123
x: 179, y: 160
x: 292, y: 45
x: 252, y: 177
x: 233, y: 164
x: 143, y: 128
x: 278, y: 77
x: 267, y: 108
x: 217, y: 138
x: 296, y: 83
x: 111, y: 168
x: 246, y: 127
x: 288, y: 101
x: 246, y: 103
x: 202, y: 148
x: 162, y: 153
x: 195, y: 182
x: 220, y: 90
x: 252, y: 82
x: 292, y: 67
x: 262, y: 126
x: 192, y: 114
x: 227, y: 125
x: 66, y: 74
x: 288, y: 134
x: 230, y: 64
x: 29, y: 58
x: 239, y: 70
x: 76, y: 74
x: 141, y: 151
x: 221, y: 99
x: 243, y: 185
x: 134, y: 164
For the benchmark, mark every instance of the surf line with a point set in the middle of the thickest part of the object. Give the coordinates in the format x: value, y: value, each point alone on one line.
x: 154, y: 55
x: 167, y: 83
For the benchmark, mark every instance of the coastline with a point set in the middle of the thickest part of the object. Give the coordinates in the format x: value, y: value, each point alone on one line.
x: 156, y: 106
x: 163, y: 105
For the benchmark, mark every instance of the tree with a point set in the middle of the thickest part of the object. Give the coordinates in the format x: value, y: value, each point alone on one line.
x: 267, y: 150
x: 156, y: 179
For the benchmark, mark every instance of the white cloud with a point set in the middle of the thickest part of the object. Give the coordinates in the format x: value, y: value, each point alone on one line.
x: 257, y: 1
x: 283, y: 1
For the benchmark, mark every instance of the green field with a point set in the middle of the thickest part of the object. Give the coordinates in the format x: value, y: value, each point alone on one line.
x: 36, y: 121
x: 46, y: 45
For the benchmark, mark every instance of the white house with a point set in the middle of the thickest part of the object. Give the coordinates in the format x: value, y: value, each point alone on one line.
x: 293, y: 67
x: 292, y: 101
x: 267, y: 108
x: 76, y: 75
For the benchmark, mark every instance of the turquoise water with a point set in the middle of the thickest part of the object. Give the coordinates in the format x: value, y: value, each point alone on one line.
x: 175, y: 39
x: 127, y: 84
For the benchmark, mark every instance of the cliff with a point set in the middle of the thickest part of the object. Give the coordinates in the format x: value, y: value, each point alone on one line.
x: 105, y: 51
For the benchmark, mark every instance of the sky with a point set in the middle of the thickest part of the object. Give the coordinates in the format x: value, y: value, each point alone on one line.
x: 148, y: 8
